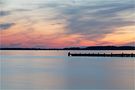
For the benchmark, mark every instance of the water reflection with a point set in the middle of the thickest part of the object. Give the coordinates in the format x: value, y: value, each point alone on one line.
x: 38, y: 70
x: 102, y: 73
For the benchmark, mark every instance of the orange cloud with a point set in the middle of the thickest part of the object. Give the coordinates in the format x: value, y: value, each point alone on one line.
x: 121, y: 36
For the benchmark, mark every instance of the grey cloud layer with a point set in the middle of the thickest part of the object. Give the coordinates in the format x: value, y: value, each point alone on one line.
x: 4, y: 13
x: 101, y: 18
x: 5, y: 26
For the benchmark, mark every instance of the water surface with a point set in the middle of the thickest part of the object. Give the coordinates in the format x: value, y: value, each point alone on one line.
x: 55, y: 70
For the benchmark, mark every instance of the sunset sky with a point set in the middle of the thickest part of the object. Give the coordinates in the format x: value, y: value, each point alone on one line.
x: 66, y: 23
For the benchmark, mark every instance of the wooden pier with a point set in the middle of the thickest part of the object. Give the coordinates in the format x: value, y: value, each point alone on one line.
x: 101, y: 55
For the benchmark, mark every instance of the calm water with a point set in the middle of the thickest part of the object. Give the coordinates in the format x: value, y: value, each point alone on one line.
x: 43, y: 70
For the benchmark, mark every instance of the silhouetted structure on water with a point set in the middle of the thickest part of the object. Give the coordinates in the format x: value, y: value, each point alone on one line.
x: 101, y: 55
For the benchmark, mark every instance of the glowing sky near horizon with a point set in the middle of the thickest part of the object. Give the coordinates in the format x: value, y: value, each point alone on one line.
x: 66, y: 23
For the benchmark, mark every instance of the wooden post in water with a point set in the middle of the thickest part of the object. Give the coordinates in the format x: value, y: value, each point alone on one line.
x: 131, y: 54
x: 104, y: 54
x: 122, y: 54
x: 69, y: 54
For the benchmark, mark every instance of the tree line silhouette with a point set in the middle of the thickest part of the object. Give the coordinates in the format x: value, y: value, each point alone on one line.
x: 78, y: 48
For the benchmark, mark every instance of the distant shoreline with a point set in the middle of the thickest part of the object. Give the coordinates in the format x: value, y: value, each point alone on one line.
x: 78, y: 48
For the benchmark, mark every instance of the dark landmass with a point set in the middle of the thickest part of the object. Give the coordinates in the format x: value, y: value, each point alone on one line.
x: 78, y: 48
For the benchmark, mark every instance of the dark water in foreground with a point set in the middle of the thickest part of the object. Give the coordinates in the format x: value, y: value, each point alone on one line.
x: 43, y: 70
